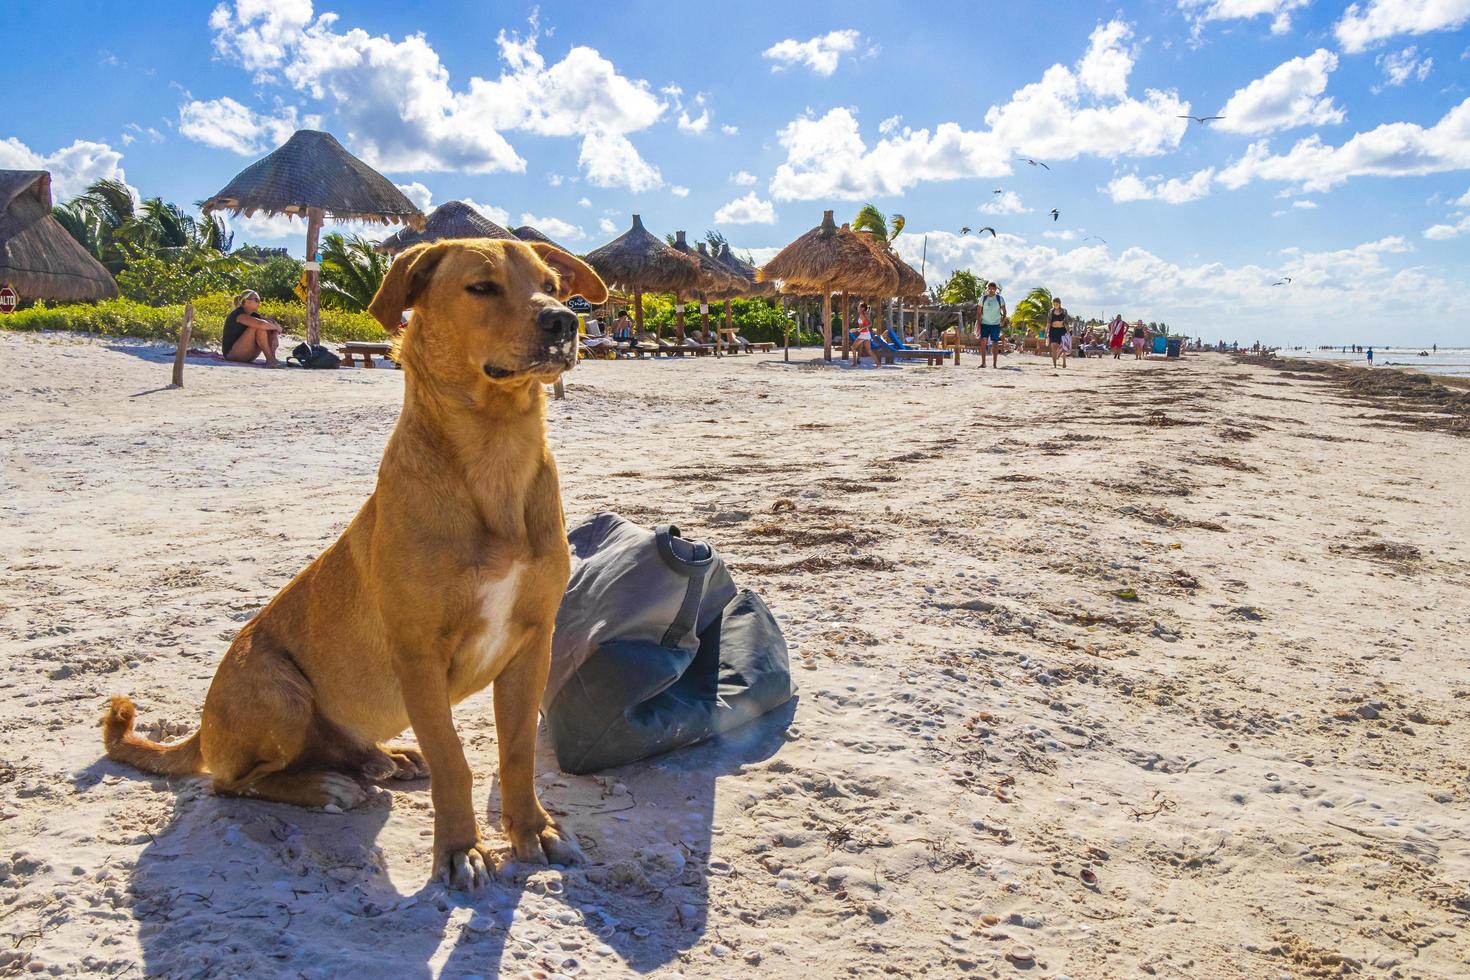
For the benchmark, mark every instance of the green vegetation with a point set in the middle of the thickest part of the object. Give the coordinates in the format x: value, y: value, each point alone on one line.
x: 757, y: 319
x: 1030, y: 315
x: 129, y: 318
x: 351, y: 272
x: 885, y: 228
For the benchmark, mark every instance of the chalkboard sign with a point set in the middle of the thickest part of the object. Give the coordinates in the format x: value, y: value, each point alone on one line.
x: 579, y: 305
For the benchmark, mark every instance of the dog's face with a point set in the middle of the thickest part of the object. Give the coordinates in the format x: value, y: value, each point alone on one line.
x: 487, y: 311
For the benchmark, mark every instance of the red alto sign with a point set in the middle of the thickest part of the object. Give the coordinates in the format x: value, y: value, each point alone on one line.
x: 9, y: 299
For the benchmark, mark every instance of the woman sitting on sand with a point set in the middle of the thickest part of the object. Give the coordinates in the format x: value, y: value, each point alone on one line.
x: 247, y: 336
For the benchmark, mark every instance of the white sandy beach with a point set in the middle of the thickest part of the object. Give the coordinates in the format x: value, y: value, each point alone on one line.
x: 1134, y: 668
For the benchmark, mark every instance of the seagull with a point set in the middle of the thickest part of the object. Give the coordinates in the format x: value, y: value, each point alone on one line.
x: 1055, y: 214
x: 1283, y: 282
x: 1098, y: 237
x: 965, y: 230
x: 1036, y: 163
x: 998, y: 190
x: 986, y: 228
x: 1201, y: 119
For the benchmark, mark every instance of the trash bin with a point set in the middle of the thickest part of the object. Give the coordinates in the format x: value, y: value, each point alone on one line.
x: 1175, y: 344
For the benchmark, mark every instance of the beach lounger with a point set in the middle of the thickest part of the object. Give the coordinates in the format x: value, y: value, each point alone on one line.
x: 698, y: 348
x: 898, y: 349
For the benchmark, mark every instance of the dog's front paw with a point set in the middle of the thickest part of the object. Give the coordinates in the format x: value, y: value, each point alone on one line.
x: 549, y: 845
x: 394, y: 762
x: 464, y: 869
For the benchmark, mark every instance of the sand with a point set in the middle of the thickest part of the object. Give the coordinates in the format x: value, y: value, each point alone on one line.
x: 1129, y: 669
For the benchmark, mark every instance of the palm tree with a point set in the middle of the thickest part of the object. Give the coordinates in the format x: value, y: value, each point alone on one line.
x: 351, y: 272
x: 1032, y: 312
x: 874, y: 222
x: 964, y: 287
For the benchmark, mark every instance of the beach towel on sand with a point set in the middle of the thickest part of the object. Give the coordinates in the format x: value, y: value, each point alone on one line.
x: 655, y: 648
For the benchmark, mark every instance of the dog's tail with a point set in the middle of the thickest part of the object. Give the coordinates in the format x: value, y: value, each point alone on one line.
x: 180, y: 759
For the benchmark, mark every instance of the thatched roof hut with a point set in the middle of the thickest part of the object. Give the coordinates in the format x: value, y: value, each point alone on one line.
x: 313, y: 176
x: 452, y: 219
x: 38, y: 258
x: 528, y: 234
x: 746, y: 272
x: 639, y: 261
x: 831, y: 259
x: 713, y: 277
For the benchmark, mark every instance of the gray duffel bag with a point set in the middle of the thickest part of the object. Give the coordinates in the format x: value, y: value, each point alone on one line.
x: 655, y: 648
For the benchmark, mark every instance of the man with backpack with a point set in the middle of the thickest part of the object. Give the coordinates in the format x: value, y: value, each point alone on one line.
x: 992, y: 317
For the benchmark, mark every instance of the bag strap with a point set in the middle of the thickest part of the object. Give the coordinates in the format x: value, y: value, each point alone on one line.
x: 697, y: 570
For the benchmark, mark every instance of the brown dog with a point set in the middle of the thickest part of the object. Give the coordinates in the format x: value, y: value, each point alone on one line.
x: 448, y: 579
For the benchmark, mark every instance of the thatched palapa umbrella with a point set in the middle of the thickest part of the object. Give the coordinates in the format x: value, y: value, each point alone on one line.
x: 38, y: 258
x: 713, y: 278
x: 452, y: 219
x: 313, y: 176
x: 747, y: 286
x: 639, y: 261
x: 829, y: 259
x: 528, y: 234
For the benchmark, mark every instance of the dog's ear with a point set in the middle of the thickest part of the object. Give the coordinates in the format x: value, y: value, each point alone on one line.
x: 577, y: 277
x: 406, y: 278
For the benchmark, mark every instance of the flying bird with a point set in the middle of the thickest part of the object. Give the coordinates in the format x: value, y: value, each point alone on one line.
x: 998, y: 190
x: 986, y: 228
x: 1201, y: 119
x: 1283, y: 282
x: 1036, y: 163
x: 1096, y: 237
x: 1055, y: 214
x: 965, y: 230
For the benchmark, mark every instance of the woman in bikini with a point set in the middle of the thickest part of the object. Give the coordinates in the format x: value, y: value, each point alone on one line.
x: 247, y: 336
x: 862, y: 346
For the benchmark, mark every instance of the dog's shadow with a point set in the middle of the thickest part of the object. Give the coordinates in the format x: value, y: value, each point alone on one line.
x: 233, y: 887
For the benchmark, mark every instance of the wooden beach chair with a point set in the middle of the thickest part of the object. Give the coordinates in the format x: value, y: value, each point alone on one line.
x: 367, y: 351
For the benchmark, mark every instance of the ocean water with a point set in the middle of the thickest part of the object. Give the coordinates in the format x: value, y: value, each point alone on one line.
x: 1452, y: 361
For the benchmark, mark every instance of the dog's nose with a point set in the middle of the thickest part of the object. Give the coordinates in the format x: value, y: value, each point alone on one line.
x: 556, y: 325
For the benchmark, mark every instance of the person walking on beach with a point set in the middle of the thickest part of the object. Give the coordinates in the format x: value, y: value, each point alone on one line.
x: 1117, y: 330
x: 862, y: 345
x: 1057, y: 330
x: 247, y: 335
x: 992, y: 317
x: 1370, y: 357
x: 1140, y: 340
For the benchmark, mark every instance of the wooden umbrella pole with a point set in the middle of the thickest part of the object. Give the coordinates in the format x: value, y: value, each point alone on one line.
x: 313, y: 277
x: 638, y: 307
x: 846, y: 312
x: 703, y: 318
x: 729, y: 328
x: 679, y: 317
x: 827, y: 324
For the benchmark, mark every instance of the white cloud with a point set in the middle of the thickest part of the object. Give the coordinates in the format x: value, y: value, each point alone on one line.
x: 1400, y: 66
x: 1204, y: 11
x: 821, y: 54
x: 1304, y: 205
x: 1391, y: 150
x: 1363, y: 25
x: 697, y: 124
x: 743, y: 178
x: 1061, y: 117
x: 890, y: 125
x: 72, y: 167
x: 227, y: 125
x: 1445, y: 232
x: 1328, y: 288
x: 400, y: 112
x: 610, y: 160
x: 1289, y: 95
x: 420, y: 195
x: 1463, y: 201
x: 584, y: 202
x: 1065, y: 235
x: 1007, y: 202
x: 553, y: 227
x: 607, y: 226
x: 747, y: 210
x: 555, y: 179
x: 133, y: 131
x: 730, y: 130
x: 679, y: 191
x: 1130, y: 187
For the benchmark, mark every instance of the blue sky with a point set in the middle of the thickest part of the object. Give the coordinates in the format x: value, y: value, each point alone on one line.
x: 1343, y: 161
